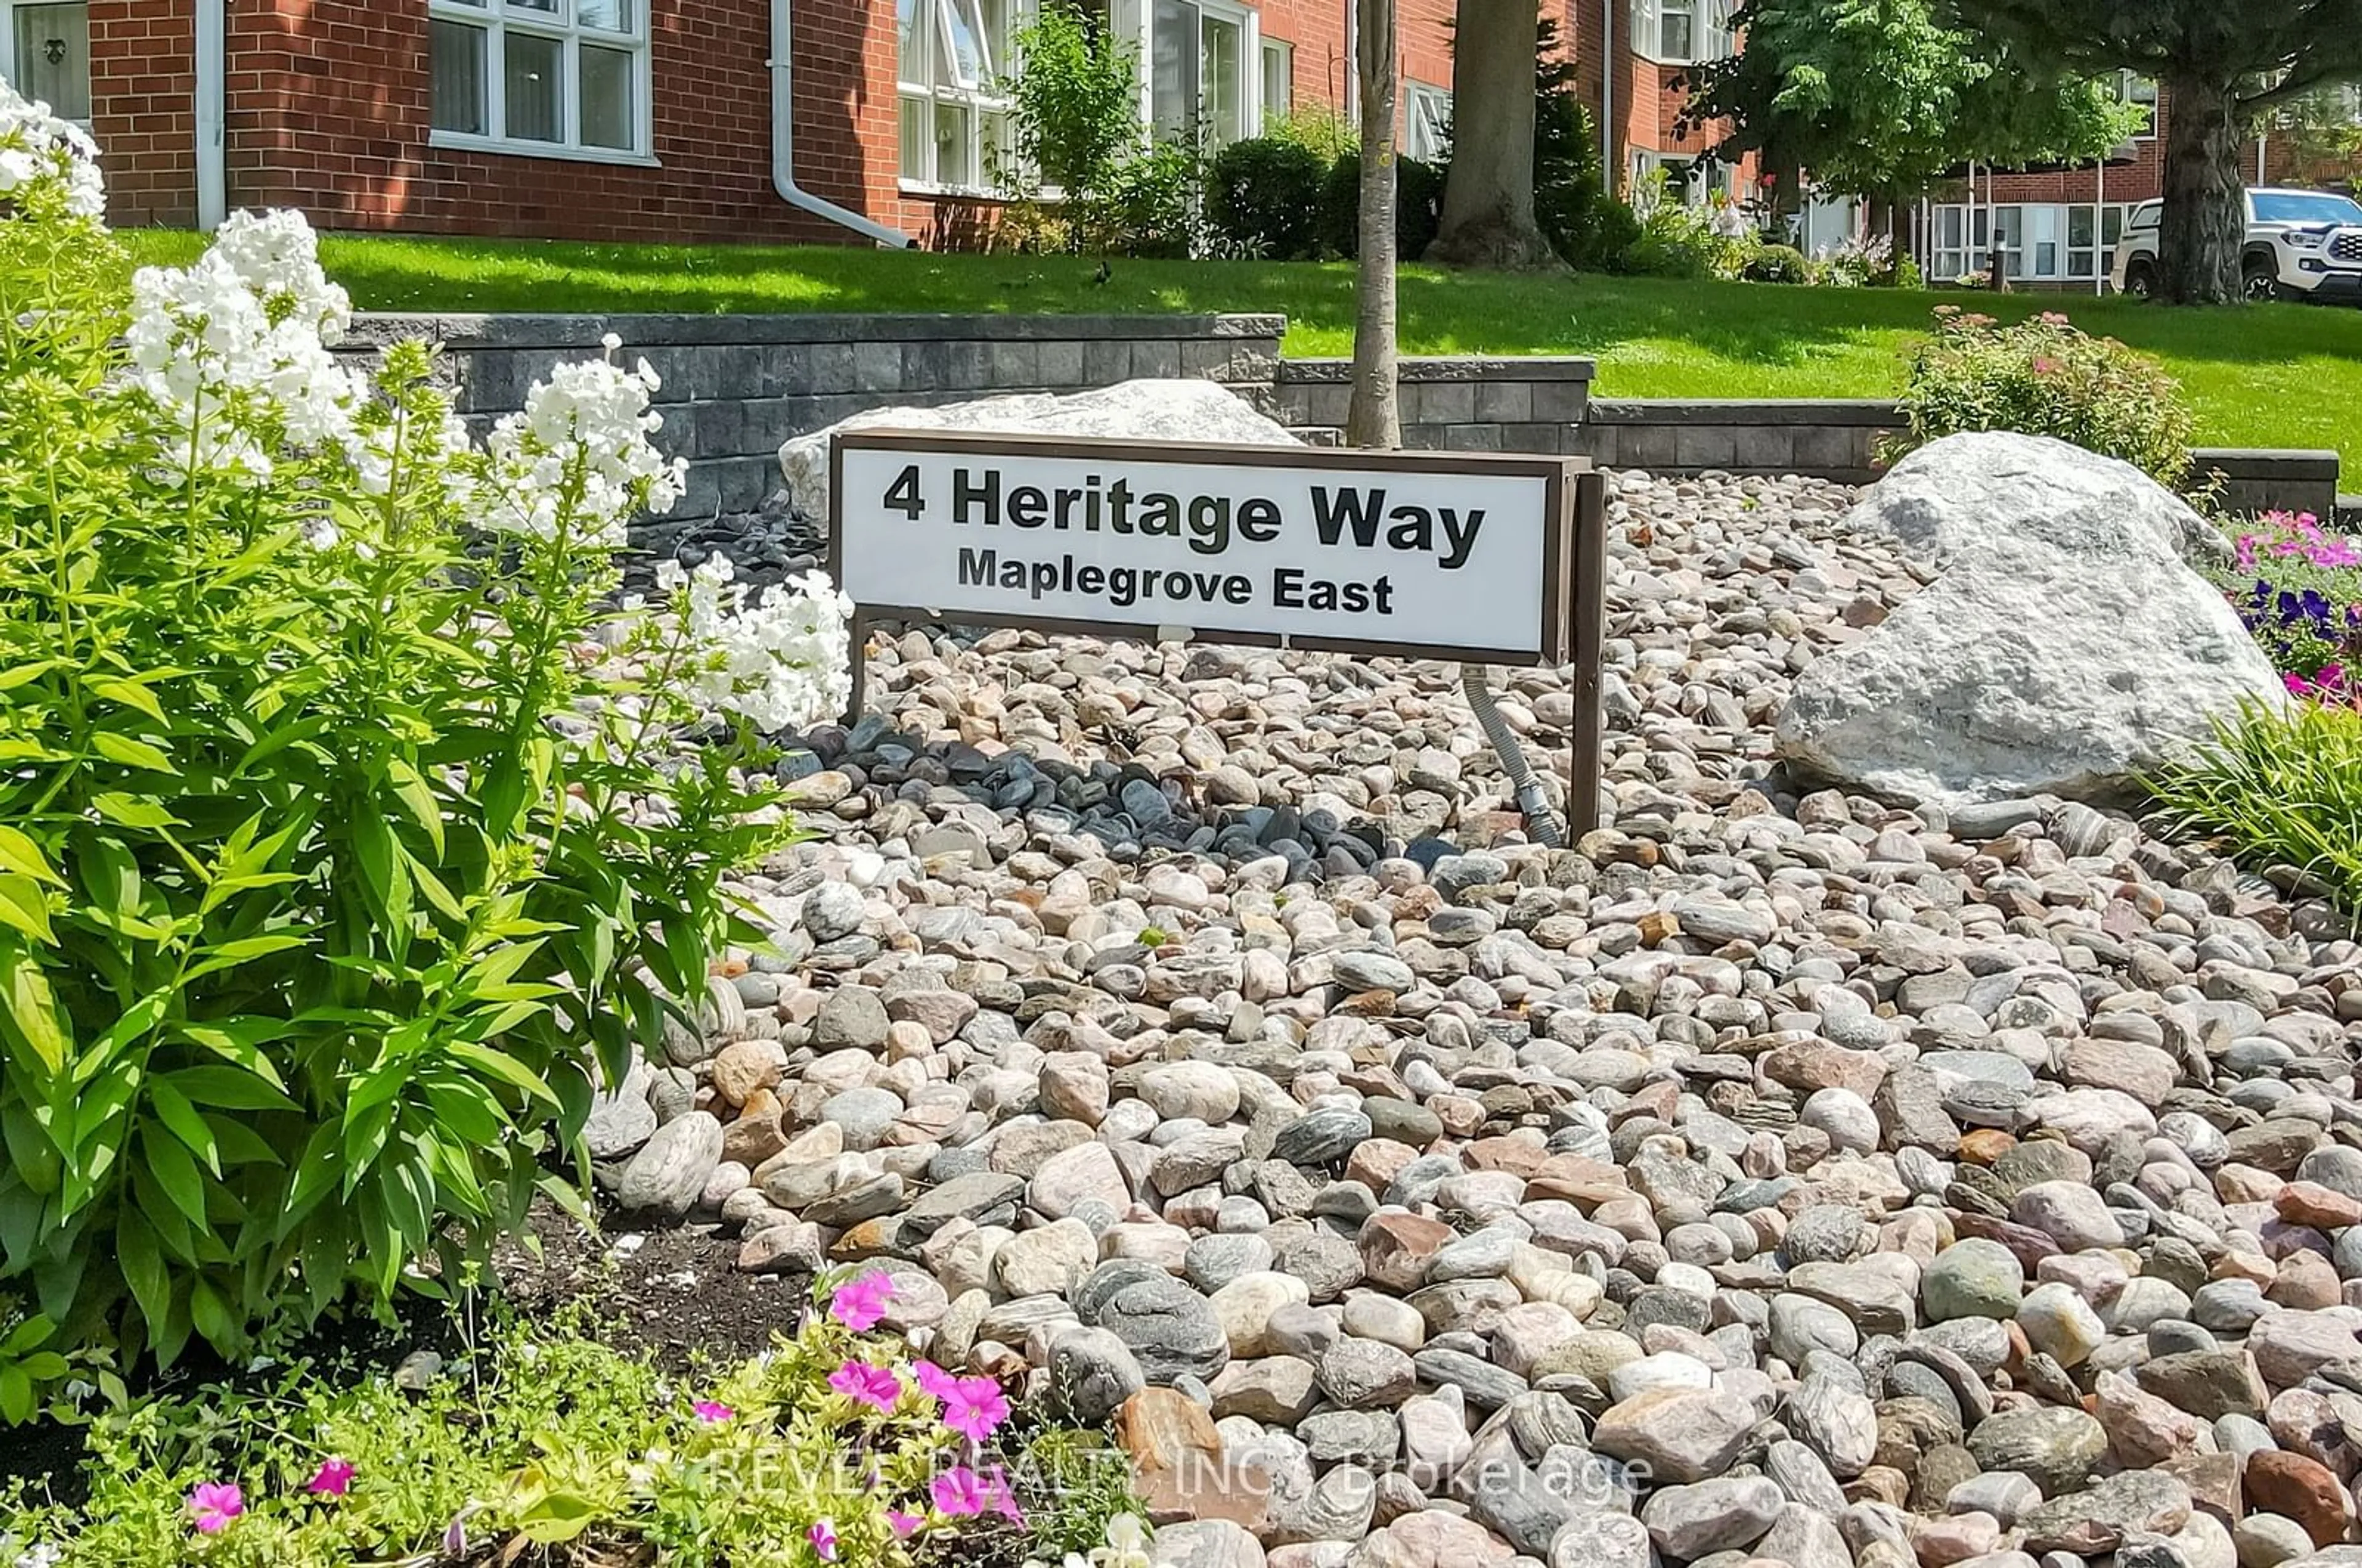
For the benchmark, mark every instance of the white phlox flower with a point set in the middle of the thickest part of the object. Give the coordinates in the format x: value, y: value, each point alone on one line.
x: 41, y: 154
x: 780, y: 660
x: 578, y: 455
x: 234, y: 350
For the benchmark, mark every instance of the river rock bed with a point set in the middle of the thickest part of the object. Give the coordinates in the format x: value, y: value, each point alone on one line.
x: 1771, y: 1176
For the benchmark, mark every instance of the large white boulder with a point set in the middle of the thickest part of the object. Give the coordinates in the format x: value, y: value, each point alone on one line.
x: 2063, y: 646
x: 1130, y: 411
x: 1953, y: 495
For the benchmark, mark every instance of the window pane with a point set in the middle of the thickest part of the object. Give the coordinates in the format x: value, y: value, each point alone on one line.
x: 994, y: 17
x: 1278, y: 82
x: 607, y: 95
x: 53, y: 57
x: 914, y: 139
x: 615, y: 16
x: 1173, y: 73
x: 911, y: 39
x: 1220, y: 79
x: 458, y: 54
x: 2112, y: 224
x: 2079, y: 226
x: 955, y: 144
x: 962, y: 64
x: 541, y: 8
x: 999, y: 149
x: 1674, y: 35
x: 530, y: 87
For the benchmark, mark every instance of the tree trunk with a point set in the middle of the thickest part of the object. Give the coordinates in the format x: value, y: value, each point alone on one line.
x: 2204, y: 227
x: 1371, y: 419
x: 1489, y: 194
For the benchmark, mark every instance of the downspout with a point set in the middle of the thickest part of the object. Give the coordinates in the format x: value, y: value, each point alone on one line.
x: 1611, y: 178
x: 783, y: 143
x: 211, y: 116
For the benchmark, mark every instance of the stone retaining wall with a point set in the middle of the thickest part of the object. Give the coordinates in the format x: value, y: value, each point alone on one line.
x: 738, y: 386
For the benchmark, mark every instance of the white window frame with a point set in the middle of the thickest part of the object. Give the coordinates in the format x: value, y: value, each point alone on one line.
x: 1282, y: 53
x: 1423, y: 100
x: 980, y: 101
x: 1975, y: 222
x: 9, y: 71
x: 498, y: 20
x: 1710, y: 32
x: 1250, y: 25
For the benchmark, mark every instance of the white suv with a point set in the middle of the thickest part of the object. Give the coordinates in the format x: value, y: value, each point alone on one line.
x: 2301, y: 244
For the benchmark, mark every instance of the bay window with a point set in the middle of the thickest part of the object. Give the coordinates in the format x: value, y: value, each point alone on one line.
x: 2067, y: 242
x: 554, y: 78
x: 1682, y: 32
x: 951, y: 57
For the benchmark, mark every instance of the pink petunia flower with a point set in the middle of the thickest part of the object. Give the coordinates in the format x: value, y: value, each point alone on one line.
x: 1001, y: 1496
x: 904, y: 1525
x: 711, y: 1413
x: 958, y: 1492
x: 822, y: 1536
x: 933, y: 1380
x: 858, y: 1304
x: 974, y: 1407
x: 214, y: 1504
x: 333, y: 1479
x: 870, y: 1384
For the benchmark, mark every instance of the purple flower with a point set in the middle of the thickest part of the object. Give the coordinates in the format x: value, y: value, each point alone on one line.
x: 822, y: 1536
x: 974, y: 1407
x: 904, y: 1525
x: 858, y: 1304
x: 711, y: 1413
x: 868, y: 1384
x: 333, y: 1479
x: 1001, y: 1498
x: 214, y: 1504
x: 958, y: 1492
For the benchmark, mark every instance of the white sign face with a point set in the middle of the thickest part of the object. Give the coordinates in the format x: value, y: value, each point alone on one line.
x: 1435, y: 552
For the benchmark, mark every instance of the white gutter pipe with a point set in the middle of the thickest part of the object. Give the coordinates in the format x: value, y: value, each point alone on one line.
x: 1611, y: 178
x: 783, y: 143
x: 211, y: 113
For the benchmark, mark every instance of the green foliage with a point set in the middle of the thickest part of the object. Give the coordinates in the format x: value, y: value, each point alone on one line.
x: 1073, y: 114
x: 1678, y: 241
x: 1418, y: 206
x: 1776, y: 264
x: 1319, y: 129
x: 2284, y: 789
x: 320, y: 872
x: 1584, y: 222
x: 1884, y: 95
x: 2044, y: 377
x: 1906, y: 275
x: 1265, y: 192
x: 548, y: 1435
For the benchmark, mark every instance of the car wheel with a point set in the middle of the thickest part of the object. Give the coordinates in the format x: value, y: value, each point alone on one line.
x: 2140, y: 280
x: 2259, y: 281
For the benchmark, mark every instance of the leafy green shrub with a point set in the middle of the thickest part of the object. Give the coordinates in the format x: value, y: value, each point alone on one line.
x: 1265, y: 192
x: 1588, y: 228
x: 322, y: 867
x: 1776, y: 264
x: 1418, y: 207
x: 1324, y: 132
x: 2285, y: 790
x: 1905, y: 275
x: 1678, y: 241
x: 1072, y: 119
x: 2044, y: 377
x: 836, y: 1446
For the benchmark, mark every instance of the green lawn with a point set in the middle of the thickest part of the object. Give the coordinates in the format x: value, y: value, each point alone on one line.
x: 2266, y: 376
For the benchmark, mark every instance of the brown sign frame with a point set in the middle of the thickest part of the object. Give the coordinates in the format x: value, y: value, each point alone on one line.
x: 1574, y: 561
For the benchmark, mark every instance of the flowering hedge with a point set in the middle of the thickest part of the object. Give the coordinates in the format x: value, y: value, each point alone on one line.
x: 835, y: 1446
x: 346, y: 832
x: 2045, y: 377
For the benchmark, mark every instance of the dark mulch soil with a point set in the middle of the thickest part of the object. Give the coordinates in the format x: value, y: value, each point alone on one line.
x: 675, y: 1296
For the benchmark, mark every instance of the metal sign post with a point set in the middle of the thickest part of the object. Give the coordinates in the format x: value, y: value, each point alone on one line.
x: 1476, y: 559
